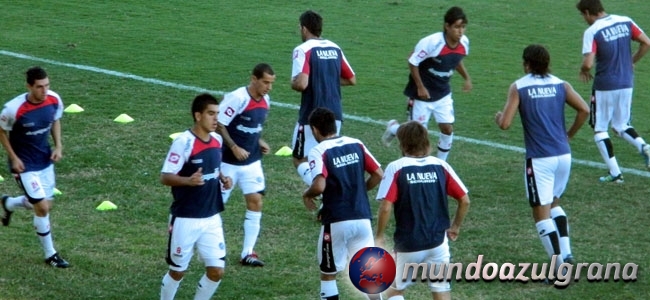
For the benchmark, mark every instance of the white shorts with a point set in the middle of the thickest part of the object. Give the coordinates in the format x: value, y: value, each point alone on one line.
x: 546, y: 178
x: 303, y: 139
x: 339, y: 241
x: 438, y: 255
x: 38, y: 185
x: 204, y: 234
x: 250, y: 178
x: 442, y: 110
x: 613, y: 107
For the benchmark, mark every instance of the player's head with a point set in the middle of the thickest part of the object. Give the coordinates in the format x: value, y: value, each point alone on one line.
x: 205, y: 109
x: 262, y: 78
x: 590, y: 9
x: 536, y: 60
x: 312, y: 22
x: 413, y: 139
x: 455, y: 22
x: 37, y: 83
x: 322, y: 122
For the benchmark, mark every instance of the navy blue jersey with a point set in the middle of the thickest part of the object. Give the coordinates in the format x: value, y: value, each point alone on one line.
x: 187, y: 154
x: 541, y: 107
x: 418, y: 188
x: 343, y: 161
x: 29, y: 127
x: 436, y: 63
x: 244, y: 118
x: 323, y: 61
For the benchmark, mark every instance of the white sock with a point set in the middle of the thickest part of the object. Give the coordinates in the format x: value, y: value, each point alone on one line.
x: 393, y: 128
x: 18, y: 202
x: 328, y: 289
x: 602, y: 140
x: 637, y: 142
x: 305, y: 173
x: 206, y: 288
x: 550, y: 239
x: 169, y: 287
x: 444, y: 145
x: 251, y: 231
x: 398, y: 297
x: 562, y: 224
x: 42, y: 226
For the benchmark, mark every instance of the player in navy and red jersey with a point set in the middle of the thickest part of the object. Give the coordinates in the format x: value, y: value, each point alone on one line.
x: 540, y: 99
x: 26, y: 122
x: 242, y: 114
x: 431, y: 65
x: 192, y: 169
x: 338, y: 165
x: 319, y: 70
x: 607, y: 42
x: 416, y: 187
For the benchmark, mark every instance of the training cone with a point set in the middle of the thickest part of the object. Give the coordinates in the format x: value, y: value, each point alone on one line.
x: 57, y: 192
x: 73, y: 108
x: 284, y: 151
x: 174, y: 135
x: 107, y: 205
x: 123, y: 118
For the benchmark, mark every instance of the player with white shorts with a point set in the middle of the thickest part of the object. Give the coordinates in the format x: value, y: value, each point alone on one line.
x: 341, y: 240
x: 438, y: 256
x: 546, y: 178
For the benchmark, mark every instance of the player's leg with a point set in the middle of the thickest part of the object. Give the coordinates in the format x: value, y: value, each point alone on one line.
x: 403, y: 281
x: 183, y: 234
x: 300, y: 151
x: 621, y: 124
x: 331, y: 245
x: 557, y: 213
x: 211, y: 247
x: 440, y: 257
x: 605, y: 104
x: 539, y: 176
x: 392, y: 125
x: 360, y: 236
x: 253, y: 185
x: 443, y: 111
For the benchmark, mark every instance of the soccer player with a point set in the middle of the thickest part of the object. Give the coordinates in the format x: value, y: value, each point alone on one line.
x: 192, y: 170
x: 431, y: 65
x: 242, y: 114
x: 26, y: 122
x: 607, y: 42
x: 416, y: 187
x: 540, y: 98
x: 338, y: 165
x: 319, y: 69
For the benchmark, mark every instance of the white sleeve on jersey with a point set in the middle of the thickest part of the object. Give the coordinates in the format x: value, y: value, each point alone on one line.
x: 315, y: 162
x: 298, y: 61
x: 59, y: 108
x: 177, y: 156
x: 7, y: 118
x: 387, y: 181
x: 230, y: 107
x: 429, y: 46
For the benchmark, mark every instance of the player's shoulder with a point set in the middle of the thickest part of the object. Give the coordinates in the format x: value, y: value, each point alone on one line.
x: 16, y: 102
x: 54, y: 94
x: 217, y: 137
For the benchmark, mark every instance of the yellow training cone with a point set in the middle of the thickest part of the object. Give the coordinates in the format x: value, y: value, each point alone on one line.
x: 174, y: 135
x: 107, y: 205
x: 73, y: 108
x: 123, y: 118
x: 57, y: 192
x: 284, y: 151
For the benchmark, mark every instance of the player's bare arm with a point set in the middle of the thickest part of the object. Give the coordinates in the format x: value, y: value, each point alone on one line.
x: 316, y: 188
x: 504, y: 118
x: 644, y: 46
x: 349, y: 81
x: 423, y: 93
x: 574, y: 100
x: 383, y: 216
x: 461, y: 212
x: 239, y: 152
x: 57, y: 153
x: 170, y: 179
x: 266, y: 149
x: 16, y: 163
x: 299, y: 82
x: 467, y: 86
x: 374, y: 179
x: 585, y: 68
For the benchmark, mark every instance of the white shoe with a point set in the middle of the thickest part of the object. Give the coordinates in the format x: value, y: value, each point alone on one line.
x: 388, y: 136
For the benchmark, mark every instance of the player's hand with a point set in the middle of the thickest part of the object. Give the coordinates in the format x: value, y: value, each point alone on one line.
x: 497, y: 118
x: 264, y: 147
x: 467, y: 86
x: 586, y: 76
x: 196, y: 178
x: 310, y: 202
x: 226, y: 182
x: 57, y: 154
x: 423, y: 94
x: 240, y: 153
x: 17, y: 165
x: 452, y: 233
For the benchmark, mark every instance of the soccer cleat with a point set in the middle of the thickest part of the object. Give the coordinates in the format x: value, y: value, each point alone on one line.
x: 570, y: 260
x: 645, y: 151
x: 388, y: 136
x: 6, y: 218
x: 610, y: 178
x: 251, y: 260
x: 57, y: 261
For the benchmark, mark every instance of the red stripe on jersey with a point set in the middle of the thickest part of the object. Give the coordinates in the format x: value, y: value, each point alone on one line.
x: 346, y: 70
x: 460, y: 49
x: 370, y: 165
x: 594, y: 46
x: 200, y: 145
x: 636, y: 32
x: 28, y: 106
x: 253, y: 104
x: 453, y: 188
x: 305, y: 66
x: 391, y: 194
x: 324, y: 170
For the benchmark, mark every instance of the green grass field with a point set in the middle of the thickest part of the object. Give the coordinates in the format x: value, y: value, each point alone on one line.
x: 150, y: 58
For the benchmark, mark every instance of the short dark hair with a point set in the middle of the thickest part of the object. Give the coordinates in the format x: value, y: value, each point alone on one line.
x: 312, y: 21
x: 324, y: 120
x: 201, y: 102
x: 454, y: 14
x: 538, y: 59
x: 593, y: 7
x: 413, y: 138
x: 35, y: 73
x: 261, y: 68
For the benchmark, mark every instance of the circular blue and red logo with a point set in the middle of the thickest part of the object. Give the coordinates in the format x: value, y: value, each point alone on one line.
x: 372, y: 270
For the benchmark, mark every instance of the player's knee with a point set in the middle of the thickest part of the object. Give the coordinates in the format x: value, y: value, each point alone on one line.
x: 214, y: 273
x: 176, y: 275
